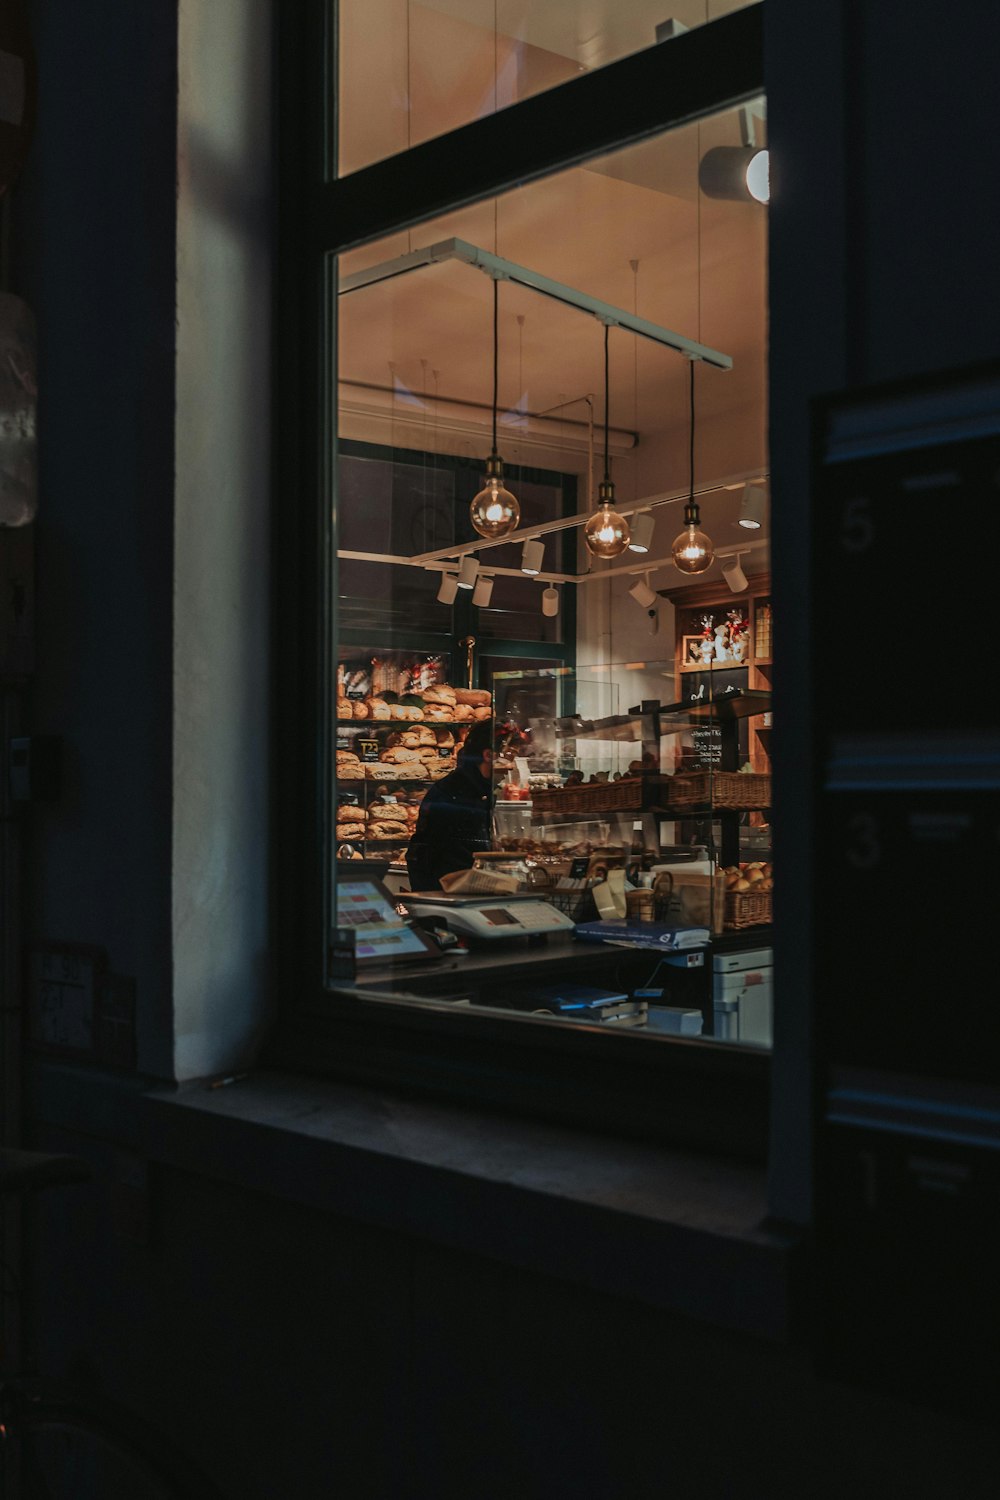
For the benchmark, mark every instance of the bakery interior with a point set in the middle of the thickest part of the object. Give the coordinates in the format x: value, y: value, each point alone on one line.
x: 605, y: 324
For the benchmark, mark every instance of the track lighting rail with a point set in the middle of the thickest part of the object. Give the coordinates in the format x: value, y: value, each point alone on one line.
x: 507, y: 270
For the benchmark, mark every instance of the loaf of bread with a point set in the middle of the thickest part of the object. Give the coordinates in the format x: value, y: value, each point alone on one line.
x: 385, y: 812
x: 350, y: 830
x: 378, y: 709
x: 440, y: 693
x: 475, y: 697
x: 399, y: 755
x: 345, y: 708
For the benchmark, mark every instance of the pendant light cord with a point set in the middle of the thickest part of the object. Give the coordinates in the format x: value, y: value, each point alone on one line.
x: 496, y: 361
x: 607, y: 476
x: 691, y: 439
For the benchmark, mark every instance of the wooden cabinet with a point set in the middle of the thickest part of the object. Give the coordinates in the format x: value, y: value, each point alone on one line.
x: 713, y: 654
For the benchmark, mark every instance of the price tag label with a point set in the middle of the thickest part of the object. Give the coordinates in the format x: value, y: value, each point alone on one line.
x: 578, y: 869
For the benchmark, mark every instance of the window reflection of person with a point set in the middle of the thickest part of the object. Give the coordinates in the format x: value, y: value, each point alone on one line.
x: 454, y: 822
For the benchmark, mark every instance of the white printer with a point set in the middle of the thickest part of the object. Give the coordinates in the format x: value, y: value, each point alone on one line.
x: 743, y: 996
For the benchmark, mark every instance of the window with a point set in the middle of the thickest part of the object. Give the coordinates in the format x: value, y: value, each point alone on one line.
x: 509, y: 316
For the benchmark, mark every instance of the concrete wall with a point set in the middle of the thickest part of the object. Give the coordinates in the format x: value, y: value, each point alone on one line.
x: 221, y: 667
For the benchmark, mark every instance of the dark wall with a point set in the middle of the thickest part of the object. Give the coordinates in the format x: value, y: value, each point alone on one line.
x: 93, y: 238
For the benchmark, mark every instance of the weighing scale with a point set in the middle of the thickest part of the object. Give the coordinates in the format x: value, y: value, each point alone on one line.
x: 489, y: 918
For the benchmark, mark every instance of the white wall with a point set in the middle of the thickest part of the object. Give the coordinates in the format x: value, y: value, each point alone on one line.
x: 221, y: 574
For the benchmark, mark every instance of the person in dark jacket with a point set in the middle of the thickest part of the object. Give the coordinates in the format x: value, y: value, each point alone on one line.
x: 454, y: 822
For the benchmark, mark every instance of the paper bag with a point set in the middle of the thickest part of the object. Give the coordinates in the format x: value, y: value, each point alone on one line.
x: 697, y: 900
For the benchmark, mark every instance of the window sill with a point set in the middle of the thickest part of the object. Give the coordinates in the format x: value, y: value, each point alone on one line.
x: 680, y: 1231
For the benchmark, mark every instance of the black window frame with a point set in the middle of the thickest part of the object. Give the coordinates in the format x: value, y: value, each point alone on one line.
x: 693, y: 1093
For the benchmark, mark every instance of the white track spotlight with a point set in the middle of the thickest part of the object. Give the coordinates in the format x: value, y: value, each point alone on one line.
x: 532, y: 556
x: 734, y: 574
x: 448, y: 588
x: 642, y: 531
x: 643, y: 595
x: 468, y: 572
x: 483, y: 591
x: 550, y: 600
x: 753, y: 507
x: 740, y: 172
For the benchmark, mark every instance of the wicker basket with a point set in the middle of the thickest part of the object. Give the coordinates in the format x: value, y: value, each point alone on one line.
x: 578, y: 905
x: 730, y: 789
x: 631, y: 793
x: 748, y: 909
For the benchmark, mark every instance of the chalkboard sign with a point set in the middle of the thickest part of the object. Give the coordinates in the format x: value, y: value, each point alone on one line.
x: 707, y: 739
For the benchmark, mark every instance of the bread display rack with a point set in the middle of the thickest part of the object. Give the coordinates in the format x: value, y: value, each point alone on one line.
x: 391, y: 747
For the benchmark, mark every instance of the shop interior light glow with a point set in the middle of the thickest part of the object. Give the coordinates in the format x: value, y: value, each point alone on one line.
x: 693, y: 551
x: 494, y: 512
x: 606, y: 534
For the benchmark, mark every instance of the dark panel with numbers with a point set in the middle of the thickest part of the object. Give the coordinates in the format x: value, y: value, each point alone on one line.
x: 906, y: 564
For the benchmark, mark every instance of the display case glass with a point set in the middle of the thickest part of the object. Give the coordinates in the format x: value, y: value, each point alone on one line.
x: 592, y: 764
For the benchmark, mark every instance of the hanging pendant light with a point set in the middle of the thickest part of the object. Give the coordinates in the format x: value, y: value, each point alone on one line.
x: 495, y: 511
x: 607, y: 533
x: 693, y: 551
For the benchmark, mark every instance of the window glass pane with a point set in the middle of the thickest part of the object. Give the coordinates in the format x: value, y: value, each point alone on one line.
x: 410, y: 72
x: 623, y: 704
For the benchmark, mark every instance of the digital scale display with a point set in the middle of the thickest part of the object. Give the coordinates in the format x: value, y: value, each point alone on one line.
x: 497, y: 917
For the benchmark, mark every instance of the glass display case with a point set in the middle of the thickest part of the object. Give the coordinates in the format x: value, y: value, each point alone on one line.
x: 666, y: 788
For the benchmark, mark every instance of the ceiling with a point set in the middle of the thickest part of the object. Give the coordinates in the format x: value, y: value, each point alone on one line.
x: 699, y: 269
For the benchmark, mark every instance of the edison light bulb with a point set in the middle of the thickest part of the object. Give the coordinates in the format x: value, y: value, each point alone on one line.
x: 607, y: 533
x: 693, y: 550
x: 494, y: 512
